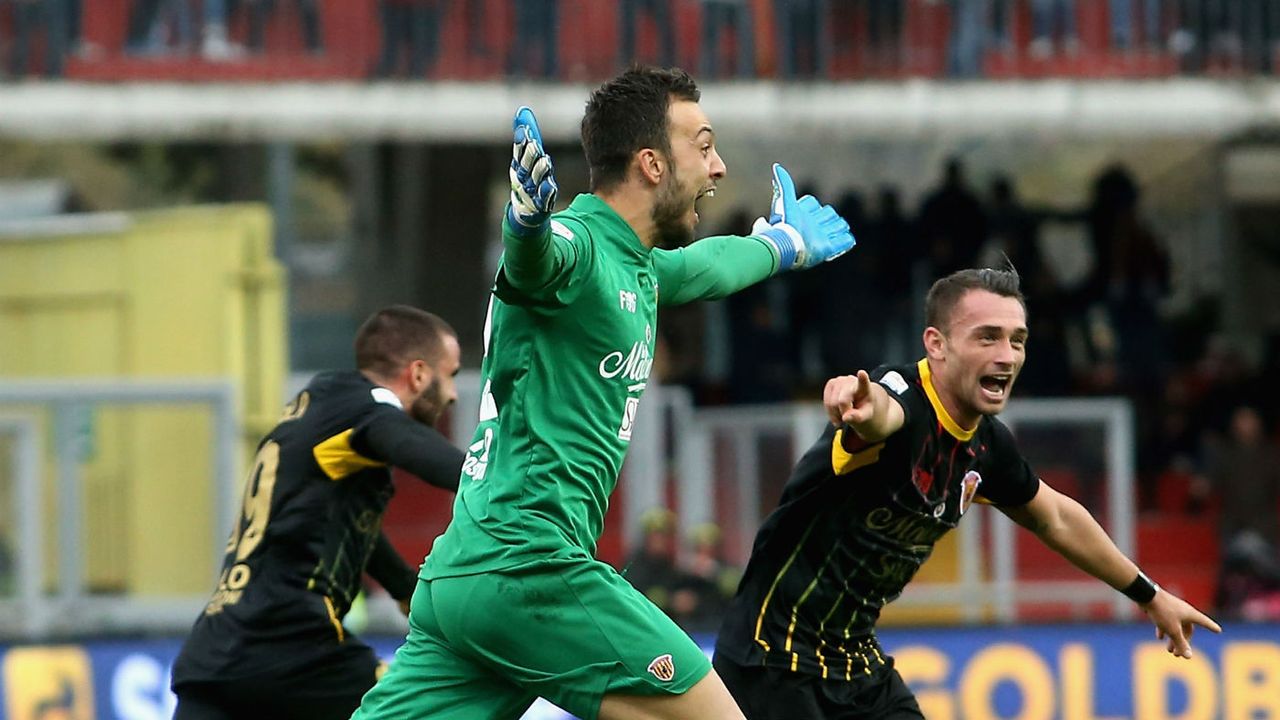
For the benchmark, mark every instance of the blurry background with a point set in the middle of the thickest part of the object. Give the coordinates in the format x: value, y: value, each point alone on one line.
x: 201, y: 199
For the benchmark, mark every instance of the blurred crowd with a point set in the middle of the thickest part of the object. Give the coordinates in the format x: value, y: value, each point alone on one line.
x: 836, y: 39
x: 1206, y: 419
x: 693, y: 584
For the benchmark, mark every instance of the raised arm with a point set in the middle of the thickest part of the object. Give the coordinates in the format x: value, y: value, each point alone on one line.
x: 535, y: 257
x: 863, y: 406
x: 1071, y: 531
x: 799, y: 233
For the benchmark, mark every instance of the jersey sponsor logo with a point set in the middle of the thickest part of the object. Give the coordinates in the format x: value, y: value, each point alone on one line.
x: 634, y: 365
x: 628, y: 418
x: 894, y: 382
x: 908, y: 529
x: 477, y: 461
x: 42, y: 683
x: 663, y: 668
x: 969, y: 488
x: 627, y: 301
x: 386, y: 397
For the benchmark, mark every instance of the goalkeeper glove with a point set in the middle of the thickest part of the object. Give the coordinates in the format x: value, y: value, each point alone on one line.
x: 802, y: 231
x: 533, y: 182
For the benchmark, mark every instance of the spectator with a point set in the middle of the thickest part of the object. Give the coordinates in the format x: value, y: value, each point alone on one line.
x: 1002, y: 22
x: 851, y: 281
x: 260, y: 13
x: 1122, y: 23
x: 884, y: 32
x: 536, y: 26
x: 413, y: 25
x: 1260, y: 26
x: 1245, y: 474
x: 761, y: 368
x: 708, y: 583
x: 30, y: 17
x: 802, y: 50
x: 964, y: 52
x: 952, y: 223
x: 651, y: 569
x: 1131, y: 276
x: 735, y: 15
x: 1053, y: 28
x: 660, y: 11
x: 215, y: 42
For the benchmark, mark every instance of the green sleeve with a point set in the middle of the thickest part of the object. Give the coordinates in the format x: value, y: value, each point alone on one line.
x: 712, y: 268
x: 543, y: 267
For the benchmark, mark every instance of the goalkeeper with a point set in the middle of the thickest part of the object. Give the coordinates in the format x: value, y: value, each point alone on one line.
x: 512, y: 604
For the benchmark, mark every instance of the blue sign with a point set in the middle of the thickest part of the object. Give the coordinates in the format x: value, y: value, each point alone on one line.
x: 1067, y: 672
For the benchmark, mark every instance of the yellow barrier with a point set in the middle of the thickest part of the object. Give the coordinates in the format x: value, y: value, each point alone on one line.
x: 191, y: 292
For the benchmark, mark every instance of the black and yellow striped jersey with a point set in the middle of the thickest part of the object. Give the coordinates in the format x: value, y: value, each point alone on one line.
x: 855, y: 523
x: 310, y: 524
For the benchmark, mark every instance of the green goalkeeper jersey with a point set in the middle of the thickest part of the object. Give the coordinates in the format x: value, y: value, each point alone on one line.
x: 569, y: 344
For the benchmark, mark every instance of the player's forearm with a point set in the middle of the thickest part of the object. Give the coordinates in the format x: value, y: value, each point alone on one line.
x: 390, y: 570
x: 716, y: 267
x: 1076, y: 535
x: 533, y: 259
x: 886, y: 419
x: 415, y: 448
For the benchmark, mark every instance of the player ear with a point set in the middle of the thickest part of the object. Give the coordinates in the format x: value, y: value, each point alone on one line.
x: 934, y: 343
x: 420, y: 374
x: 652, y: 165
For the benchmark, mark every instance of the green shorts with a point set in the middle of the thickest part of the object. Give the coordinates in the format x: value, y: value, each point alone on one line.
x: 485, y: 646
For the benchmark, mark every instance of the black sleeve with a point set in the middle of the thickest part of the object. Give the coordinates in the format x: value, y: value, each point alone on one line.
x: 1007, y: 477
x: 398, y: 440
x: 903, y: 391
x: 390, y: 570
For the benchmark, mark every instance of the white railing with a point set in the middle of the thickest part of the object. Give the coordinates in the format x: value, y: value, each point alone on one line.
x: 673, y: 438
x: 33, y: 613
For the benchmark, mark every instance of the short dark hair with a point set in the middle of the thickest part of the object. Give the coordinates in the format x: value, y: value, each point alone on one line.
x: 628, y: 114
x: 947, y: 292
x: 396, y: 336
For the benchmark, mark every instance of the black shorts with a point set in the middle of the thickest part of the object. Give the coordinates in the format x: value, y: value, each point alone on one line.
x: 326, y: 690
x: 770, y: 694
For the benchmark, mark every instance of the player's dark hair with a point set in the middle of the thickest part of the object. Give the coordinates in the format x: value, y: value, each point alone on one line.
x: 396, y: 336
x: 947, y: 292
x: 628, y: 114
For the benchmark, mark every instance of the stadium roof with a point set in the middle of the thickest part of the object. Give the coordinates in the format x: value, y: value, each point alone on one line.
x: 480, y: 111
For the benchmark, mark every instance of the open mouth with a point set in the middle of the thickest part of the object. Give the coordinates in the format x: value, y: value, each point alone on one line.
x: 995, y: 387
x: 706, y: 192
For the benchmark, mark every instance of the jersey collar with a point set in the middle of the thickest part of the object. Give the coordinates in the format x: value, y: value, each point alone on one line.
x: 618, y: 229
x: 953, y: 427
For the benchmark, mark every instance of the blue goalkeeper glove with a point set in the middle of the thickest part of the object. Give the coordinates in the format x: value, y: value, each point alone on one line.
x: 803, y: 231
x: 533, y: 181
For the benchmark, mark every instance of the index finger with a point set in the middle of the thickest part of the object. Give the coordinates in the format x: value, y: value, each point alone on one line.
x: 1206, y: 622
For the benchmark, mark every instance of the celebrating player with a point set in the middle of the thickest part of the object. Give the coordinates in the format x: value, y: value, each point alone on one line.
x: 909, y: 450
x: 270, y: 643
x: 512, y: 603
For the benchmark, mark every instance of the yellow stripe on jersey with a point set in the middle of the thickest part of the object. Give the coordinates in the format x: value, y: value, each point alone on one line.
x: 338, y: 460
x: 333, y: 618
x: 844, y: 462
x: 953, y: 427
x: 769, y: 596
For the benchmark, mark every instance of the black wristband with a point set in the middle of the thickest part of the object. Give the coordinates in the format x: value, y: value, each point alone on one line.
x: 1141, y: 590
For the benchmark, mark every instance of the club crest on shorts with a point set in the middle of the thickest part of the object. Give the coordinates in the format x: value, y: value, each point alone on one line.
x: 663, y: 668
x: 969, y: 488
